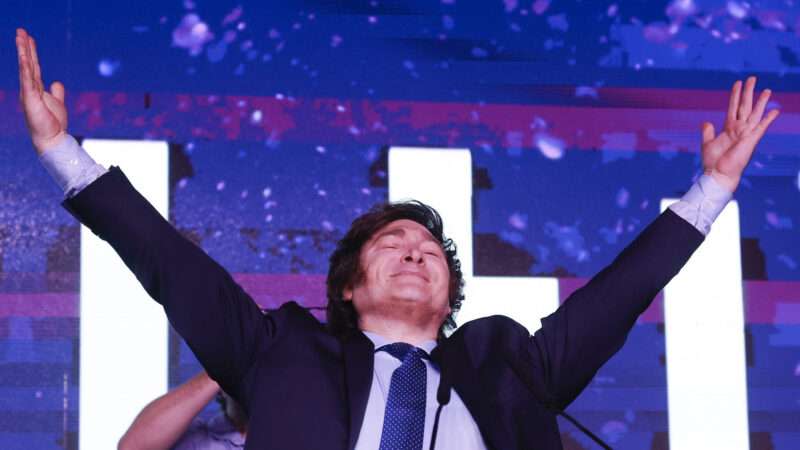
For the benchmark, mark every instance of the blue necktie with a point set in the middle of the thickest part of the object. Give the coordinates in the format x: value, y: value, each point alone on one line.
x: 404, y: 421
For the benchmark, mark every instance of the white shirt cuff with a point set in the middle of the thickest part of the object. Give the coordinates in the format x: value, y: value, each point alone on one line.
x: 703, y: 203
x: 70, y: 166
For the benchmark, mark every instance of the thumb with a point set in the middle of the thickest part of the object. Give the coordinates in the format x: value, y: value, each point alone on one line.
x: 57, y: 90
x: 708, y: 132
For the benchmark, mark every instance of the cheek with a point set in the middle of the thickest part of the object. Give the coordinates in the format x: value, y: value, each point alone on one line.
x: 444, y: 278
x: 371, y: 270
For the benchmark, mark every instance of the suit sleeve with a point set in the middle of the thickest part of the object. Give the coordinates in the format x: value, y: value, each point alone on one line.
x: 220, y: 322
x: 593, y: 323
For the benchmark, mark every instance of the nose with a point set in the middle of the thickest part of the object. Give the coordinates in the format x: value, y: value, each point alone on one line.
x: 413, y: 255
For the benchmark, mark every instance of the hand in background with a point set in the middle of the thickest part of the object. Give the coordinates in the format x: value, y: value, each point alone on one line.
x: 726, y: 155
x: 45, y: 113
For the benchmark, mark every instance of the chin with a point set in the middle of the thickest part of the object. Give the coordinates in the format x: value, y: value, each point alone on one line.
x: 410, y: 291
x: 411, y: 297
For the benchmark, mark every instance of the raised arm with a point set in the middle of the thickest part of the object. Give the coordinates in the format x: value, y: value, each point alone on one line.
x: 164, y: 420
x: 220, y: 322
x: 593, y: 323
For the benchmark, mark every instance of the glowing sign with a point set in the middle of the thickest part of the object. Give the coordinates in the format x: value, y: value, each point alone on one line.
x: 123, y: 334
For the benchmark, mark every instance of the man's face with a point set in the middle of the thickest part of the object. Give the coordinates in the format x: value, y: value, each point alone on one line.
x: 404, y: 272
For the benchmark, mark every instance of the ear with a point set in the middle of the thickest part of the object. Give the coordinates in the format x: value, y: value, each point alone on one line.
x: 347, y: 294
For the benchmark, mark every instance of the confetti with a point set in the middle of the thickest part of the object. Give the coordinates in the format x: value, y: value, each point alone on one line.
x: 192, y: 34
x: 549, y: 146
x: 107, y: 67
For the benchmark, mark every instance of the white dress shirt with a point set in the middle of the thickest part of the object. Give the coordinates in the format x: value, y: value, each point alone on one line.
x: 457, y: 429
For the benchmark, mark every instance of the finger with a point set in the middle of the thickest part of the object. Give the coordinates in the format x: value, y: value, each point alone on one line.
x: 761, y: 105
x: 733, y: 102
x: 37, y: 71
x: 57, y: 90
x: 708, y: 132
x: 31, y: 65
x: 26, y: 84
x: 23, y: 76
x: 762, y: 126
x: 746, y: 104
x: 744, y: 152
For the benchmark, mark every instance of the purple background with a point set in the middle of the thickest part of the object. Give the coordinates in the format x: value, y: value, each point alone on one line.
x: 580, y: 116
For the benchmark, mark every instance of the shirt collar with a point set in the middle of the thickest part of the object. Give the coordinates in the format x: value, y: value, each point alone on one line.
x: 379, y: 341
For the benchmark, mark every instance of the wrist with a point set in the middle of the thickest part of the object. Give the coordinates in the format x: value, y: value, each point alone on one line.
x: 205, y: 386
x: 725, y: 181
x: 42, y: 145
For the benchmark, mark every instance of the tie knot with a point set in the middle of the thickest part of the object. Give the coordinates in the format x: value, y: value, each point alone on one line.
x: 403, y: 351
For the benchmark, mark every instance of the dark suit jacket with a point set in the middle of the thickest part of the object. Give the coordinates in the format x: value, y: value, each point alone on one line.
x: 306, y: 389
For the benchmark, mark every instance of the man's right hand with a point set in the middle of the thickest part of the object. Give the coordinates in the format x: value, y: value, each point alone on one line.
x: 45, y: 112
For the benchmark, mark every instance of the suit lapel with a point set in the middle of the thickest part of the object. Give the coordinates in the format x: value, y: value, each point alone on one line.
x: 358, y: 369
x: 456, y: 369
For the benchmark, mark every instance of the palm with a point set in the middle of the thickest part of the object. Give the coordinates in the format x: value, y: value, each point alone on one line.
x: 45, y: 112
x: 46, y: 115
x: 726, y: 155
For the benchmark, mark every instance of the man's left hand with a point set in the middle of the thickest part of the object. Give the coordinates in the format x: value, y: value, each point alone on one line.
x: 726, y: 155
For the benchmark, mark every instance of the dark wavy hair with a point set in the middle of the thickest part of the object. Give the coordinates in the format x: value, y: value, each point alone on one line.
x: 345, y: 269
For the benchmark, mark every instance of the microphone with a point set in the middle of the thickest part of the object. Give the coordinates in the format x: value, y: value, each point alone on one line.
x: 443, y: 398
x: 443, y: 392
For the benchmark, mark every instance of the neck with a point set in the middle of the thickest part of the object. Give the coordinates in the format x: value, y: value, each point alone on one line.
x: 397, y: 330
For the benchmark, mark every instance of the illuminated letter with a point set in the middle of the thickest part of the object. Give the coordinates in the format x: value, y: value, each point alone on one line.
x: 704, y: 321
x: 123, y: 333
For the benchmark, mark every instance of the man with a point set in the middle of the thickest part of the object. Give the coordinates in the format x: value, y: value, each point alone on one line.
x: 169, y: 422
x: 377, y: 377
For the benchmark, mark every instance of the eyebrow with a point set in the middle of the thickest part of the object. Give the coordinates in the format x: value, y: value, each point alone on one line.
x: 400, y: 232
